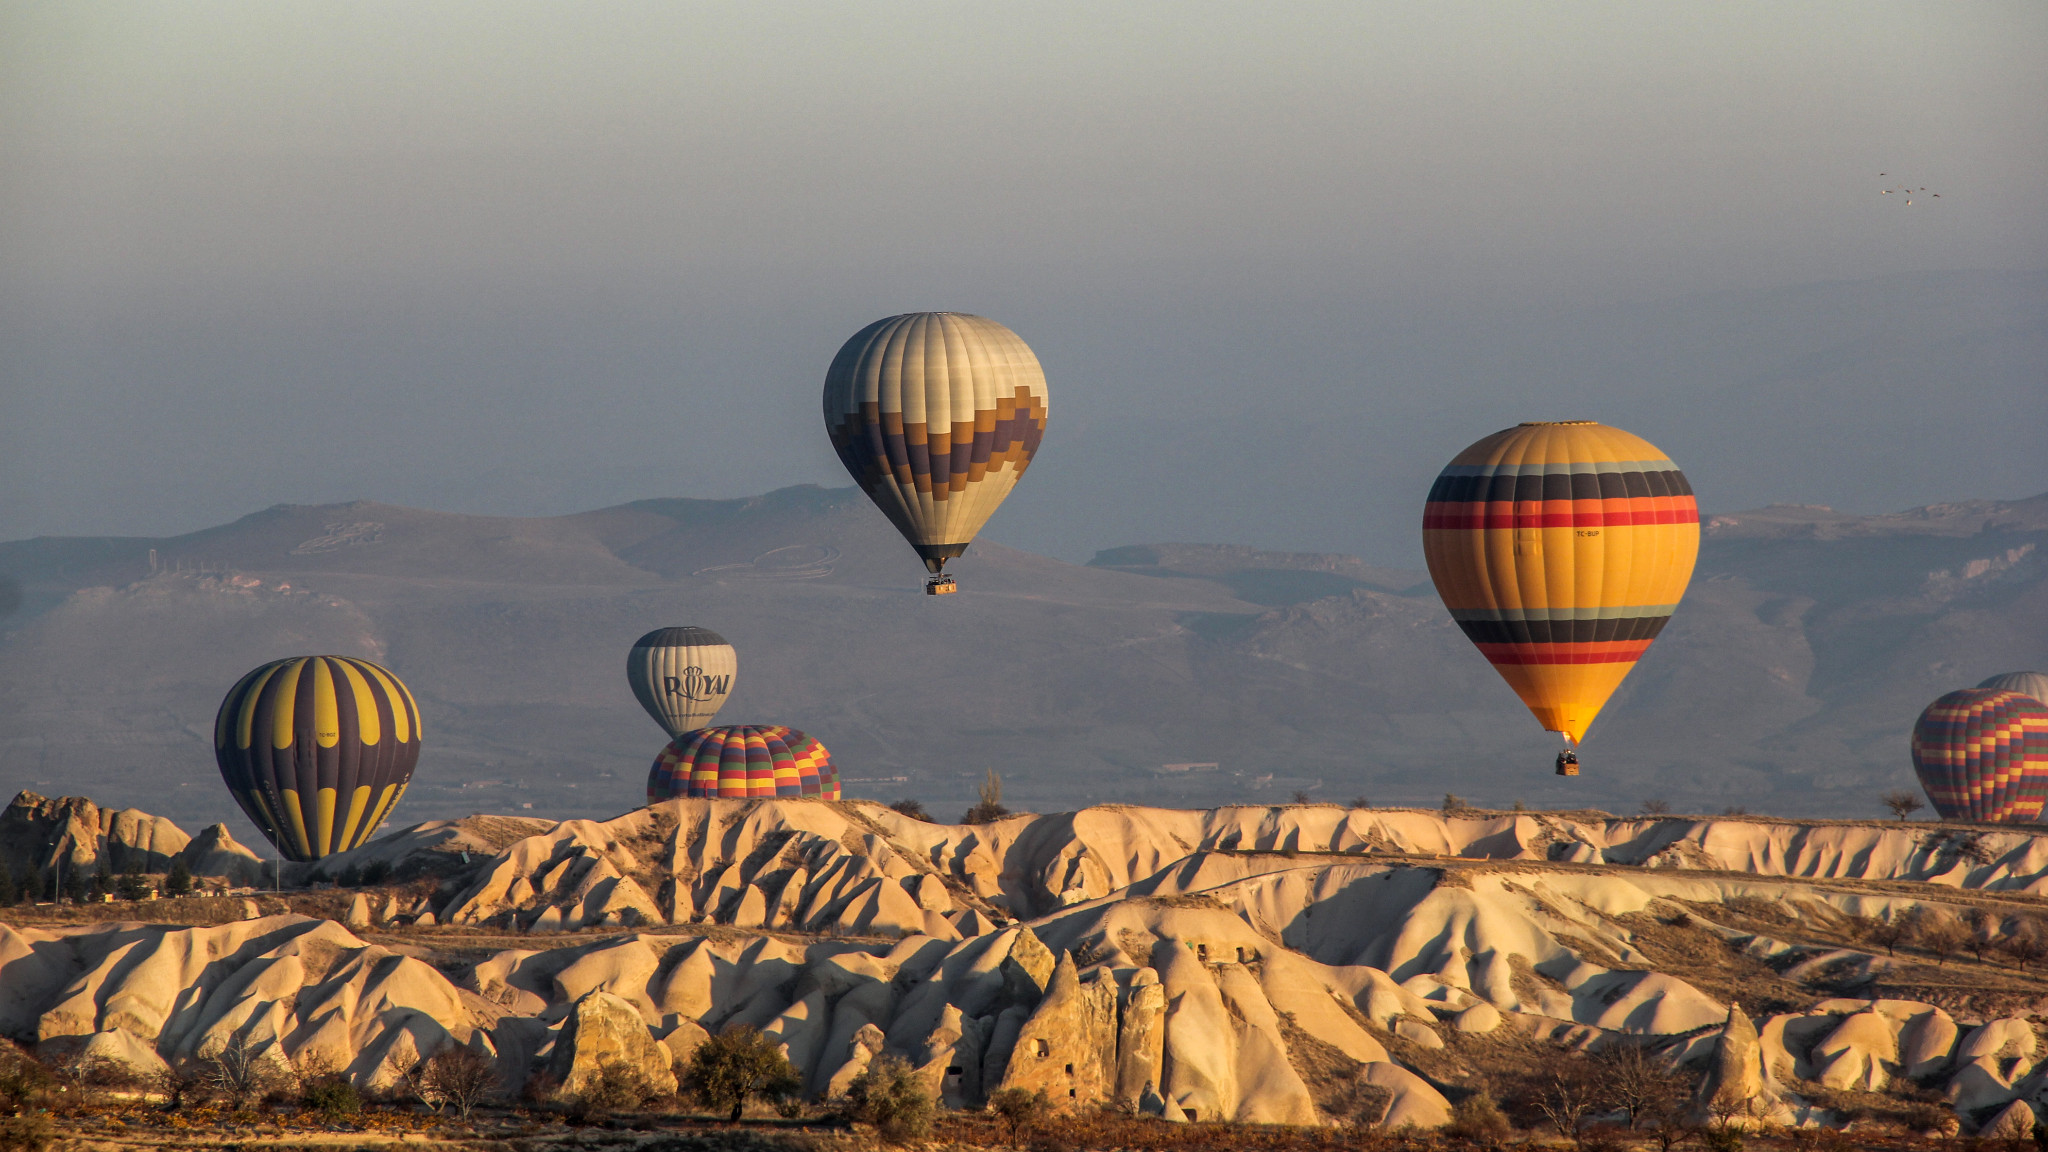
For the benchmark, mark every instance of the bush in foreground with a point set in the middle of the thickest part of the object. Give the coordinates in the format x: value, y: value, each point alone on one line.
x: 888, y: 1096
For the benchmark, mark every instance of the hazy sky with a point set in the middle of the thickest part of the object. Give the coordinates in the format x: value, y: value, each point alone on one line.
x: 1280, y: 260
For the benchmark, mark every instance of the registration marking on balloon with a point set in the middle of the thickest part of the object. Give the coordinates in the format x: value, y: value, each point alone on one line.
x: 1561, y: 549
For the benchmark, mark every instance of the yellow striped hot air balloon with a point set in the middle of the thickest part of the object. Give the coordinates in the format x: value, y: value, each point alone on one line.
x: 317, y: 750
x: 1561, y: 548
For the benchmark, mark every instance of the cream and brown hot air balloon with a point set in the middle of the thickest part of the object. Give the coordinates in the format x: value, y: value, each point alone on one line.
x: 1561, y: 548
x: 936, y: 415
x: 317, y: 750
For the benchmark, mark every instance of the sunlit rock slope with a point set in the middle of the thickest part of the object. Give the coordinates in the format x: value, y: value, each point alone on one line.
x: 1253, y: 963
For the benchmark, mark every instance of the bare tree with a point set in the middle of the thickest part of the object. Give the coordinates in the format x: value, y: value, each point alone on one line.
x: 1454, y: 803
x: 2024, y: 944
x: 461, y: 1076
x: 1936, y: 933
x: 1627, y: 1078
x: 1890, y: 932
x: 1902, y: 803
x: 238, y: 1071
x: 1565, y: 1096
x: 1656, y: 807
x: 1983, y: 932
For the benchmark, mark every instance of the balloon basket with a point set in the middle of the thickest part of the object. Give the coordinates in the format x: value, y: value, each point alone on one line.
x: 1567, y: 769
x: 940, y: 585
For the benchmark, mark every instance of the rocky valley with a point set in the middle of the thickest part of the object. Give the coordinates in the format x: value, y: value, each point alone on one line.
x: 1306, y: 965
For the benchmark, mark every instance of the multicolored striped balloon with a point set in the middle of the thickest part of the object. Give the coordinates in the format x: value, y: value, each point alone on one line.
x: 741, y: 761
x: 936, y: 415
x: 1982, y: 754
x: 1561, y: 548
x: 317, y: 750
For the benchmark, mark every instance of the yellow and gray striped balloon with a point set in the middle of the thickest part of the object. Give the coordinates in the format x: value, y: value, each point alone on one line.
x: 317, y: 750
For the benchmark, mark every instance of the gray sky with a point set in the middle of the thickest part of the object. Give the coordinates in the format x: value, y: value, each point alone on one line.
x: 1280, y: 260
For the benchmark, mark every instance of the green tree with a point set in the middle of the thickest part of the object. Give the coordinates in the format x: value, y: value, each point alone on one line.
x: 733, y: 1067
x: 179, y: 882
x: 9, y: 895
x: 888, y: 1096
x: 132, y: 886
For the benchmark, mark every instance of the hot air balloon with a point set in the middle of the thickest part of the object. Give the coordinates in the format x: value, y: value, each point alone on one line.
x: 682, y: 676
x: 2033, y: 684
x: 936, y: 415
x: 1561, y: 548
x: 740, y: 761
x: 317, y: 750
x: 1982, y: 754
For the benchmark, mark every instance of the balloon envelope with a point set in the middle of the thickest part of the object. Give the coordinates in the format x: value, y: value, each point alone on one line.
x: 1982, y: 754
x: 317, y: 750
x: 1561, y: 549
x: 739, y: 761
x: 936, y: 415
x: 2032, y: 684
x: 682, y: 676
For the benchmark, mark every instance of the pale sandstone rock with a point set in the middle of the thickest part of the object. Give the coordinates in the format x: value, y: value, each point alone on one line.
x: 1141, y: 1038
x: 1480, y: 1018
x: 358, y: 911
x: 1926, y: 1043
x: 2006, y: 1039
x: 1860, y: 1053
x: 1737, y: 1071
x: 1417, y: 1033
x: 622, y: 967
x: 683, y: 1040
x: 1200, y: 1076
x: 1067, y: 1048
x: 1300, y: 989
x: 133, y: 1057
x: 1415, y: 1103
x: 603, y: 1028
x: 1978, y: 1085
x: 2014, y: 1122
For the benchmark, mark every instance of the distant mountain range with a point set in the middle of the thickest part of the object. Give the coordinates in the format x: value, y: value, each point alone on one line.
x: 1787, y: 682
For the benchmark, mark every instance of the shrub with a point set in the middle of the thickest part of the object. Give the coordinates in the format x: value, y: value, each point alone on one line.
x: 888, y: 1096
x: 1478, y: 1119
x: 24, y: 1134
x: 23, y: 1082
x: 1019, y: 1111
x: 736, y: 1065
x: 331, y: 1095
x: 913, y: 809
x: 617, y: 1087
